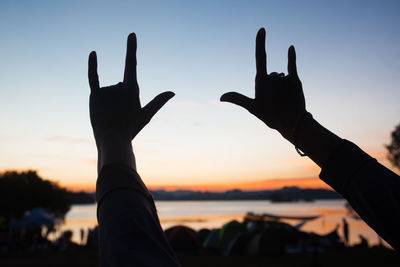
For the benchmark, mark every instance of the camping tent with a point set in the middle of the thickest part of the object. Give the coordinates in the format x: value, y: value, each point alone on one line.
x: 36, y: 217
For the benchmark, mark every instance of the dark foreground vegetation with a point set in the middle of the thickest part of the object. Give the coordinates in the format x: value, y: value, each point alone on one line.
x: 82, y: 256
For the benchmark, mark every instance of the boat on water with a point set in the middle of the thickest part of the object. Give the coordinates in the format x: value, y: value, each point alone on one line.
x: 250, y: 216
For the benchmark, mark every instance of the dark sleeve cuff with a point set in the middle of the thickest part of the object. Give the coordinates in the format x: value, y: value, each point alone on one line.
x: 114, y: 176
x: 344, y: 162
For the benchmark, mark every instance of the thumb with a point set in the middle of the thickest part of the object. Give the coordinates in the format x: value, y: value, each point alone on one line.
x: 154, y: 105
x: 238, y: 99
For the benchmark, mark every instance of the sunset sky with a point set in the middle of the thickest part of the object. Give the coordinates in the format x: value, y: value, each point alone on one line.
x: 348, y: 56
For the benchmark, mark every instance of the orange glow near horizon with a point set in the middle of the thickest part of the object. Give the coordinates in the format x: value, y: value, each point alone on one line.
x: 88, y: 188
x: 267, y: 184
x: 255, y: 182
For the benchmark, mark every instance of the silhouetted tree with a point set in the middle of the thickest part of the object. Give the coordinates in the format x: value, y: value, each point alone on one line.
x: 23, y: 191
x: 394, y: 147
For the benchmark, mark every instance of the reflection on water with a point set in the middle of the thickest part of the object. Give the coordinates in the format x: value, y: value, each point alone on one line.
x: 213, y: 214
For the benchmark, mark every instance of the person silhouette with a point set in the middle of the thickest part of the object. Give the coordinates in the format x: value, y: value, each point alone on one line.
x: 363, y: 241
x: 370, y: 188
x: 345, y: 231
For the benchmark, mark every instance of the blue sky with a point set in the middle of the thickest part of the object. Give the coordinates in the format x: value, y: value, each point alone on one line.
x: 348, y: 61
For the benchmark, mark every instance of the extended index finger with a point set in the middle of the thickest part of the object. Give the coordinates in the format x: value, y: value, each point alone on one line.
x: 130, y: 61
x: 92, y: 72
x: 292, y: 69
x: 261, y: 56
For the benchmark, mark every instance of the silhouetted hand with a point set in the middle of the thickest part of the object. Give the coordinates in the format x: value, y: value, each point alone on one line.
x: 279, y: 99
x: 115, y: 111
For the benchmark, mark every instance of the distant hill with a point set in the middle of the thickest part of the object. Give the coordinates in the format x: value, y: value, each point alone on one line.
x: 81, y: 197
x: 292, y: 193
x: 284, y: 194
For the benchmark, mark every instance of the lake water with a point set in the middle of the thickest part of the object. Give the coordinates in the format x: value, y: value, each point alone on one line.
x: 213, y: 214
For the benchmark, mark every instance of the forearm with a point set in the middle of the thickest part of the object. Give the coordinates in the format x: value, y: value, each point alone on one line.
x: 130, y: 232
x: 370, y: 188
x: 355, y: 175
x: 317, y: 142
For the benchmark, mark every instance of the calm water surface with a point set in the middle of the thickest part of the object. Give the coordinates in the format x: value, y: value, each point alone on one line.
x: 213, y: 214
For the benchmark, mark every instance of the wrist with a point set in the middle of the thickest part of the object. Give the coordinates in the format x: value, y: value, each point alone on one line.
x: 303, y: 120
x: 115, y: 149
x: 292, y: 126
x: 315, y: 141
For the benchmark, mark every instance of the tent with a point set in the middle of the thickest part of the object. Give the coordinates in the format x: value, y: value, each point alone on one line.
x: 183, y: 238
x: 229, y: 231
x: 36, y: 218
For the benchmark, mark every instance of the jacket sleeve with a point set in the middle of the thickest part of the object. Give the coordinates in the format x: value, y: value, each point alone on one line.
x: 129, y: 229
x: 371, y: 189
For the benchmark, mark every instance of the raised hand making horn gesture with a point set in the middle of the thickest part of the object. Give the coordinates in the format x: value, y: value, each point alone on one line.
x: 130, y: 233
x: 115, y: 111
x: 279, y: 99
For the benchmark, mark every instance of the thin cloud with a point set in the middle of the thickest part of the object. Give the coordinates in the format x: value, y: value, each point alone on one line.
x: 41, y: 155
x: 155, y: 141
x: 8, y: 138
x: 69, y: 140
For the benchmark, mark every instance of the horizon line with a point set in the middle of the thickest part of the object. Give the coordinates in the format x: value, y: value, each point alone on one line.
x: 266, y: 184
